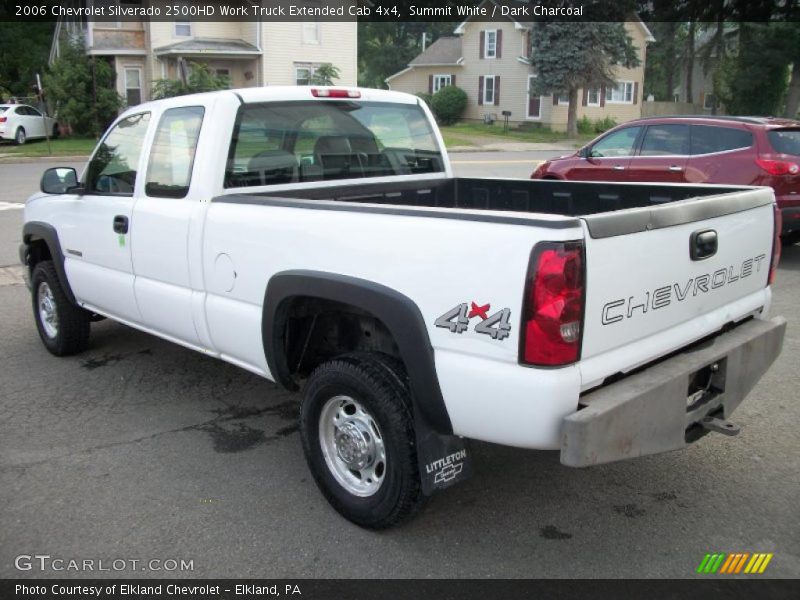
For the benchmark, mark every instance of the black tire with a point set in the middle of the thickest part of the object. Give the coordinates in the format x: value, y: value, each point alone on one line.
x: 791, y: 238
x: 73, y: 323
x: 20, y: 137
x: 379, y: 384
x: 56, y: 131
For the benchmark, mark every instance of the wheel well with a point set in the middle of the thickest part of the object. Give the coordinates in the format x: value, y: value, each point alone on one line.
x: 316, y: 330
x: 38, y: 250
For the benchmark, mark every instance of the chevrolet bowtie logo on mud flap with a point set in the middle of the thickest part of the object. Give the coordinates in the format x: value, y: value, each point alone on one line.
x: 447, y: 468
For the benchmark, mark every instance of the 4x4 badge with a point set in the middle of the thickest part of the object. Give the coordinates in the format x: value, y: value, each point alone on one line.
x: 457, y: 320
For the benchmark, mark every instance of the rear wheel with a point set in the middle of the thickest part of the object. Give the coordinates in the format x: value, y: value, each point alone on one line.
x: 63, y: 327
x: 20, y: 137
x: 56, y: 131
x: 358, y: 437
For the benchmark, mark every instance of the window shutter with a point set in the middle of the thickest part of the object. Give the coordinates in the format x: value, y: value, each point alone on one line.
x: 483, y: 44
x: 526, y: 40
x: 453, y: 79
x: 555, y: 99
x: 585, y: 100
x: 635, y: 92
x: 499, y: 45
x: 497, y: 90
x: 480, y: 90
x: 602, y: 95
x: 430, y: 84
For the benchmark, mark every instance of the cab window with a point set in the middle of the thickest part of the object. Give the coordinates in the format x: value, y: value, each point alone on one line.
x: 112, y: 170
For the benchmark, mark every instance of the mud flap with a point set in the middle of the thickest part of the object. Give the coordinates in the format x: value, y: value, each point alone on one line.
x: 444, y: 460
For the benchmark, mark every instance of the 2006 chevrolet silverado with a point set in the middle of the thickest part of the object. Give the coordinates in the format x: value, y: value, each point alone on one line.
x: 317, y: 237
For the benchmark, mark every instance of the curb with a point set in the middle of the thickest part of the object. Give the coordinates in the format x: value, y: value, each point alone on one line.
x: 10, y: 159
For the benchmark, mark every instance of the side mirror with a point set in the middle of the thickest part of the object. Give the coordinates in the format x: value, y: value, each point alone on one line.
x: 59, y: 180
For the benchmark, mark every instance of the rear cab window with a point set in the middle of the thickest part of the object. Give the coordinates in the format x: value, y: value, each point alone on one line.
x: 302, y: 141
x: 785, y: 141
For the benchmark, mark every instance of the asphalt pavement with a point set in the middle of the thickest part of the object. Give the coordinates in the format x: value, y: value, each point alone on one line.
x: 140, y: 450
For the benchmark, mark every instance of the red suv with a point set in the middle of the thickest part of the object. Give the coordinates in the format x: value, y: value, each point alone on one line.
x: 726, y: 150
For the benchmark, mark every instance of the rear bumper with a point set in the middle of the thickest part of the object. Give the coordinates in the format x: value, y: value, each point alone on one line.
x: 647, y: 413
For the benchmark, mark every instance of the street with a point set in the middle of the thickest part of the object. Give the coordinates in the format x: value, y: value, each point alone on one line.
x: 140, y: 449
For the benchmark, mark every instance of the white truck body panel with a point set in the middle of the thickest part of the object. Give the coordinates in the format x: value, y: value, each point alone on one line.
x: 195, y: 272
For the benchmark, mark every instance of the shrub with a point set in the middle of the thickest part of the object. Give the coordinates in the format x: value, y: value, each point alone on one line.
x: 602, y: 125
x: 448, y: 104
x: 585, y: 125
x: 426, y: 97
x: 201, y: 79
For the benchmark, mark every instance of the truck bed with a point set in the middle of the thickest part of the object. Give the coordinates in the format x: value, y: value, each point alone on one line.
x: 646, y: 206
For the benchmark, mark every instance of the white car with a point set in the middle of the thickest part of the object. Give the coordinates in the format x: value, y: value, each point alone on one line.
x: 20, y: 123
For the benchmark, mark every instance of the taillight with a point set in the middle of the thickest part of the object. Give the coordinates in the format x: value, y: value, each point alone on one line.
x: 553, y: 305
x: 776, y: 245
x: 3, y: 119
x: 778, y: 167
x: 337, y: 93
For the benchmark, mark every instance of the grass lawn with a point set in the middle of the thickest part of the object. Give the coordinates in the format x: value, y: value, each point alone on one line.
x: 70, y: 146
x: 542, y: 135
x: 451, y: 140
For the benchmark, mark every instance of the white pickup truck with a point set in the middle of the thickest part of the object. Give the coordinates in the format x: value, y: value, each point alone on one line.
x: 317, y: 238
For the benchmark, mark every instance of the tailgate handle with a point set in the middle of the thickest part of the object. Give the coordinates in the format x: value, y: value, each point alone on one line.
x: 703, y: 244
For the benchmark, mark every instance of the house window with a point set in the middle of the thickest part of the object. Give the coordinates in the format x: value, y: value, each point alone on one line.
x: 440, y: 81
x: 622, y: 93
x: 708, y: 101
x: 183, y: 28
x: 593, y: 97
x: 563, y: 99
x: 133, y: 86
x: 490, y: 50
x: 303, y: 75
x: 488, y: 89
x: 311, y: 32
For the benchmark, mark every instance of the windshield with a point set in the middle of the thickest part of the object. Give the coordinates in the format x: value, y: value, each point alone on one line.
x: 785, y: 141
x: 292, y: 142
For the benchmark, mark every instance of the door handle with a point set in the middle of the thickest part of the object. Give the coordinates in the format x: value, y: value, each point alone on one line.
x: 675, y: 168
x: 619, y: 168
x: 120, y: 224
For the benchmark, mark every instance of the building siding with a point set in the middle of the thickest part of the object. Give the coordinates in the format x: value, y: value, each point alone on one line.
x: 514, y: 73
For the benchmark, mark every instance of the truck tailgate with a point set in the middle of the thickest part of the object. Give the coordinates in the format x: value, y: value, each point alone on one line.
x: 655, y: 283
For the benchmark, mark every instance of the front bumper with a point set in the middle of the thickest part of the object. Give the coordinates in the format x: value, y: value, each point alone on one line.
x: 647, y: 413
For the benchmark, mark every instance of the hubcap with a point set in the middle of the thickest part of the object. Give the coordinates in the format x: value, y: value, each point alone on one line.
x: 48, y: 316
x: 352, y: 445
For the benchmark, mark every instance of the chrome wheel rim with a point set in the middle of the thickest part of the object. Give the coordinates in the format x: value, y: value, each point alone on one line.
x: 353, y: 446
x: 48, y: 316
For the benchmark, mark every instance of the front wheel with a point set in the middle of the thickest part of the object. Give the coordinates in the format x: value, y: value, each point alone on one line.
x: 358, y: 437
x: 63, y: 327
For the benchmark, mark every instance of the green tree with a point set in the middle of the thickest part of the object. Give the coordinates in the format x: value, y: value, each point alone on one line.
x: 24, y: 50
x: 385, y: 48
x: 324, y: 75
x: 82, y: 89
x: 754, y: 80
x: 566, y: 56
x: 201, y: 79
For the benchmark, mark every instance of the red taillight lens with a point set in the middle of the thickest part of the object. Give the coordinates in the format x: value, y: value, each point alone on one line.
x: 553, y: 305
x: 329, y: 93
x: 776, y: 245
x: 778, y: 167
x: 3, y: 119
